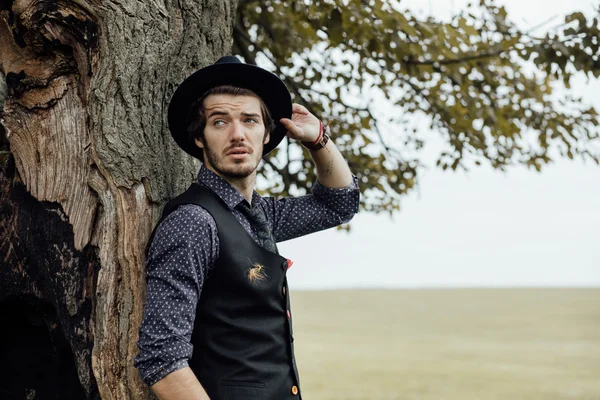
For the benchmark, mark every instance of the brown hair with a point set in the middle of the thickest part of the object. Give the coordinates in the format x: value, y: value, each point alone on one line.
x: 196, y: 121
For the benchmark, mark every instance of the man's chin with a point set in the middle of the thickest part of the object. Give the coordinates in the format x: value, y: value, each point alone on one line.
x: 237, y: 171
x: 229, y: 168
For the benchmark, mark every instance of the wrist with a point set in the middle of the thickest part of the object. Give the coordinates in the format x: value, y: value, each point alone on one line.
x: 321, y: 141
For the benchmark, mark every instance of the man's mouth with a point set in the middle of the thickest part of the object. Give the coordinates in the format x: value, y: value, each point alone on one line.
x: 238, y: 151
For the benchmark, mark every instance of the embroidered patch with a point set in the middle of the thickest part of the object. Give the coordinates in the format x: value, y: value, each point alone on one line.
x: 256, y: 273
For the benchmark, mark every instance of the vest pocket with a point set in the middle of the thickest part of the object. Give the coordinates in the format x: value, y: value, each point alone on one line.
x: 243, y: 390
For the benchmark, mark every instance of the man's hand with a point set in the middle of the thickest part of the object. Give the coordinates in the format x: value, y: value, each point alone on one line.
x: 332, y: 169
x: 303, y: 126
x: 179, y: 385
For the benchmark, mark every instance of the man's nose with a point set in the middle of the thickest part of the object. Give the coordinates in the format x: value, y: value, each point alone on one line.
x: 238, y: 132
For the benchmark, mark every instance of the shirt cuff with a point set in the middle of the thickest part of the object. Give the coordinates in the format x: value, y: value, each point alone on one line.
x: 165, y: 370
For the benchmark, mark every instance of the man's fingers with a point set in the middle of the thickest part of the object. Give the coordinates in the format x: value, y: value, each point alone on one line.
x: 293, y: 129
x: 288, y: 123
x: 297, y: 108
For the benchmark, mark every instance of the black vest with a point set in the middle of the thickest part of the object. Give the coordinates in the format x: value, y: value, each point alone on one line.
x: 242, y: 338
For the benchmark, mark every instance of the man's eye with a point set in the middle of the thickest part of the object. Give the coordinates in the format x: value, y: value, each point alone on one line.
x: 253, y: 120
x: 218, y: 122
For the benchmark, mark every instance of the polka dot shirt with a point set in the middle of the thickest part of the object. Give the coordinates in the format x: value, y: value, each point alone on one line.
x: 186, y: 246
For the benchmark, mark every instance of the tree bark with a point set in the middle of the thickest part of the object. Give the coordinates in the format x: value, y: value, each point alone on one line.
x: 87, y: 161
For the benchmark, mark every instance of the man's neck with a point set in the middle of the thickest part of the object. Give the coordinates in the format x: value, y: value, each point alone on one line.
x: 243, y: 185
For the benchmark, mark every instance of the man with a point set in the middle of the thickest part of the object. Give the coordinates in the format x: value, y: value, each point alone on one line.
x: 217, y: 322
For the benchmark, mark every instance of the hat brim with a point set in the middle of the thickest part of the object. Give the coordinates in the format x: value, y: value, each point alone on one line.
x: 266, y: 85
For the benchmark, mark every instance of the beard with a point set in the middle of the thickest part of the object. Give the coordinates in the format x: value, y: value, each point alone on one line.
x: 239, y: 169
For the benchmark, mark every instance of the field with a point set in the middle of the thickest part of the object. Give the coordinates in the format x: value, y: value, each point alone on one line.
x: 448, y: 344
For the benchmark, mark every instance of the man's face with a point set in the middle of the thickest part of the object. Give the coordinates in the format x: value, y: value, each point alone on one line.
x: 234, y: 135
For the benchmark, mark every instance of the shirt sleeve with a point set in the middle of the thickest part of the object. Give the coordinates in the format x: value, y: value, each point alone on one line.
x: 184, y: 249
x: 324, y: 208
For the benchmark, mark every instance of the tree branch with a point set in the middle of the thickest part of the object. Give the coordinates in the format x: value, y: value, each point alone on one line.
x: 456, y: 60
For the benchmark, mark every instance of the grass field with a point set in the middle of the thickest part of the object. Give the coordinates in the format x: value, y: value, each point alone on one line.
x: 448, y: 344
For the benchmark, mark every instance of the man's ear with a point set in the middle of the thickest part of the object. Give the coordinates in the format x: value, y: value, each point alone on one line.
x: 267, y: 138
x: 199, y: 143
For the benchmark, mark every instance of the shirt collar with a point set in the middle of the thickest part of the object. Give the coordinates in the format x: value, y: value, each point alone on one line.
x: 230, y: 195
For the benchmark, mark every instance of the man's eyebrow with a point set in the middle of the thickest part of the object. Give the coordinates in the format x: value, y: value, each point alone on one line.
x: 247, y: 114
x: 216, y: 112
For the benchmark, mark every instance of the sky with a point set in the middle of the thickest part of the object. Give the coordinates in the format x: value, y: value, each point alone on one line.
x: 484, y: 228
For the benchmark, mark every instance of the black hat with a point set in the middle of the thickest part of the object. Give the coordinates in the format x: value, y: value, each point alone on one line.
x: 229, y: 71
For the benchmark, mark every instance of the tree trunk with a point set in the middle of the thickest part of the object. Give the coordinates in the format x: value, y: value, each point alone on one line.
x: 86, y: 164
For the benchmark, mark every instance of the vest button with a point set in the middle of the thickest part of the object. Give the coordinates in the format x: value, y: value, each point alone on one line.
x: 294, y: 390
x: 288, y: 314
x: 283, y: 290
x: 284, y: 265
